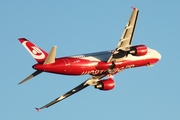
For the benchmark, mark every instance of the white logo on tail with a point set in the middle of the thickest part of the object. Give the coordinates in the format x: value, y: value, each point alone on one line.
x: 33, y: 50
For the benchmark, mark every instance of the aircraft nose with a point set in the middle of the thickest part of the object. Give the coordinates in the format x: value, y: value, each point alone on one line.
x: 158, y: 55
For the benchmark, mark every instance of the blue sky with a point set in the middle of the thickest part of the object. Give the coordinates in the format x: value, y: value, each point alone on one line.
x: 83, y: 27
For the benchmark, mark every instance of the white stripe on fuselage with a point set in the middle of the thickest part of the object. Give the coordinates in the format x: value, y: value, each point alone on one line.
x: 104, y: 56
x: 97, y: 56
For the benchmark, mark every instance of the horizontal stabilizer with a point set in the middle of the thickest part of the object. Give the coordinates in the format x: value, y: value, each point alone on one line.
x: 51, y: 57
x: 31, y: 76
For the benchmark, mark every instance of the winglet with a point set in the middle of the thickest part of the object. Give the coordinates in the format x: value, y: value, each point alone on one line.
x: 38, y: 109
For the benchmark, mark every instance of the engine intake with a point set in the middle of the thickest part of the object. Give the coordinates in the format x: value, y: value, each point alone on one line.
x: 107, y: 84
x: 138, y: 50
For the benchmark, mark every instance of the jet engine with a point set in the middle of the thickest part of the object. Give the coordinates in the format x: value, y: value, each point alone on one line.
x: 106, y: 84
x: 138, y: 50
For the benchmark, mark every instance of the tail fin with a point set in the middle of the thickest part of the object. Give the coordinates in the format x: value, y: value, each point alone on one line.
x: 49, y: 59
x: 37, y: 53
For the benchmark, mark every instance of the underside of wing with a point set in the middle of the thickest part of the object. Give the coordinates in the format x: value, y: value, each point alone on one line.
x: 127, y: 35
x: 126, y: 38
x: 91, y: 81
x: 71, y: 92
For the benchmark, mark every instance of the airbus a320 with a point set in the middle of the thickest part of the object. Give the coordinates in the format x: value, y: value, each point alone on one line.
x: 101, y: 66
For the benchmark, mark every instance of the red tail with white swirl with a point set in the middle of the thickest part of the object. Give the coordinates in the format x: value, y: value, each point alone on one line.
x: 37, y: 53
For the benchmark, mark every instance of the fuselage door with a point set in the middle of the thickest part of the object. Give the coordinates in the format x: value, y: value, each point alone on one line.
x: 67, y: 65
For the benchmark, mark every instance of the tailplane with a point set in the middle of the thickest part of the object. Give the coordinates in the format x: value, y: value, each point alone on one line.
x: 50, y: 58
x: 37, y: 53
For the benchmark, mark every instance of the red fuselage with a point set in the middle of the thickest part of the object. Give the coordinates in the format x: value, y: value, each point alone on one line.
x: 95, y: 63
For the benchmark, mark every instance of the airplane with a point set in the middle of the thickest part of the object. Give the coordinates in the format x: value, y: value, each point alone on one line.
x: 98, y: 65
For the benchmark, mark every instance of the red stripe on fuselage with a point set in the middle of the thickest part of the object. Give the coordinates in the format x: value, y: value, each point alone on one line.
x: 76, y: 66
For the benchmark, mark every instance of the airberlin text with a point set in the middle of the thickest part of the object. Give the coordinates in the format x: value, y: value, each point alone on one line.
x: 93, y: 72
x: 96, y: 72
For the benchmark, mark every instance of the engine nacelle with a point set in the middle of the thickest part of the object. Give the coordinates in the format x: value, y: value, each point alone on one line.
x: 103, y: 65
x: 138, y: 50
x: 107, y: 84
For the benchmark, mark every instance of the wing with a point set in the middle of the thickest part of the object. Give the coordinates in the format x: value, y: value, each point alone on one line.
x: 91, y: 81
x: 127, y: 35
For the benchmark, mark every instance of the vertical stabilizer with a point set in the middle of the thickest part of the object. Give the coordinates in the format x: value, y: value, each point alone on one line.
x: 37, y: 53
